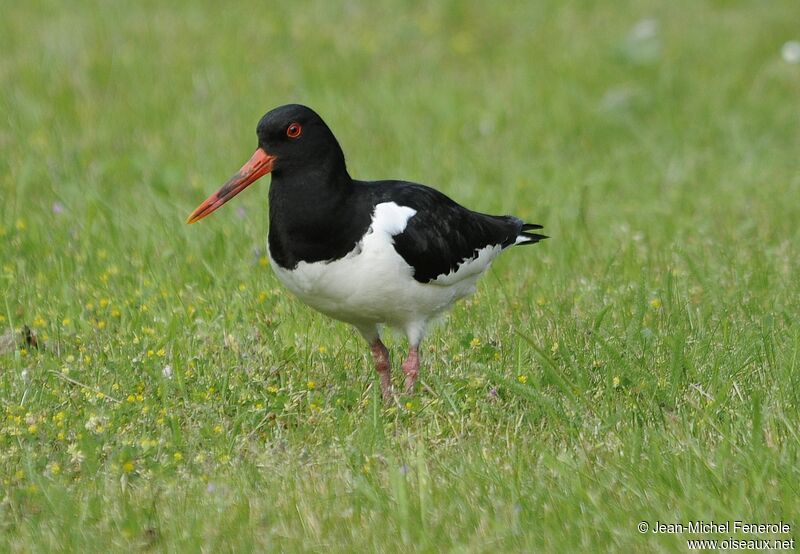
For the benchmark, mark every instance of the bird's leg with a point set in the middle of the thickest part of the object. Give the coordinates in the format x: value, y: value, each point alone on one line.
x: 381, y: 356
x: 411, y: 368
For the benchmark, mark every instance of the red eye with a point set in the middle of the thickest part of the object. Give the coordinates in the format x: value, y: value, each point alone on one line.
x: 294, y: 130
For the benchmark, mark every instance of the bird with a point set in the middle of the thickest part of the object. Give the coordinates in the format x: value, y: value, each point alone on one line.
x: 368, y: 253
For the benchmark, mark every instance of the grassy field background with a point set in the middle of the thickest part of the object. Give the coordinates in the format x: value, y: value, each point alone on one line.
x: 642, y: 365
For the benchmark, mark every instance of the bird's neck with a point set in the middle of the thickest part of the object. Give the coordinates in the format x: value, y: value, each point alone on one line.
x: 313, y: 191
x: 306, y: 211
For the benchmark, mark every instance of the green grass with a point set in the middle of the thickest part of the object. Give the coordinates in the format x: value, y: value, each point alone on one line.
x: 640, y: 365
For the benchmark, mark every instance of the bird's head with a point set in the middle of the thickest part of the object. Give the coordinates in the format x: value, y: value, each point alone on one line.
x: 292, y: 141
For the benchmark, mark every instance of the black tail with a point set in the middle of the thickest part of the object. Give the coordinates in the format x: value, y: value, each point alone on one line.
x: 525, y: 237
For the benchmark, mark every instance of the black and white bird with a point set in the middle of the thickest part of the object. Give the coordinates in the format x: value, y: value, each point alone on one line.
x: 369, y: 253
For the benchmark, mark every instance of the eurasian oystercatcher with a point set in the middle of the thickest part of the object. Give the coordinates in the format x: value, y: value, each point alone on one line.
x: 365, y: 252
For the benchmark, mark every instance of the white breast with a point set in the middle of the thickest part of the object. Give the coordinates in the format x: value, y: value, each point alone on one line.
x: 373, y: 284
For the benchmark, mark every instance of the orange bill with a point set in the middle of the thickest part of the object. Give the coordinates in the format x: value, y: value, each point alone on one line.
x: 258, y: 166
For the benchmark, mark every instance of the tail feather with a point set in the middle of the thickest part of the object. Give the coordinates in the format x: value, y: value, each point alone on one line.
x: 525, y: 237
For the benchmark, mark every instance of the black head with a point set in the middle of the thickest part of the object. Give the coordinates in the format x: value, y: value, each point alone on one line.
x: 299, y: 140
x: 296, y: 146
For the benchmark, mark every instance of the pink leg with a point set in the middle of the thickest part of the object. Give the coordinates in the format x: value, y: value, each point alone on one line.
x: 411, y: 368
x: 381, y: 356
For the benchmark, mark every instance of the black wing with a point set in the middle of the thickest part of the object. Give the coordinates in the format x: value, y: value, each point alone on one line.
x: 442, y: 235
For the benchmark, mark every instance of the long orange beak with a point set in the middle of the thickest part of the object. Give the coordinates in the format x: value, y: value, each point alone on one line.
x: 256, y: 167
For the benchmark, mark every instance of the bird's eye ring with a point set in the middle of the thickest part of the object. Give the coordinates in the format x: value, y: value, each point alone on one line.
x: 294, y: 130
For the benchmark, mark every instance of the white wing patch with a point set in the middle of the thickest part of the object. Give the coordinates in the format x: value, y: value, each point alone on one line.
x: 391, y: 219
x: 470, y: 267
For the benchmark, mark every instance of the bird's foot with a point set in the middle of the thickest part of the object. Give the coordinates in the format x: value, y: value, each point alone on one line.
x: 411, y: 369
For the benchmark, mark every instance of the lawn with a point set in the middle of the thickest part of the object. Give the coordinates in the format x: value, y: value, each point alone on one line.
x: 641, y: 365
